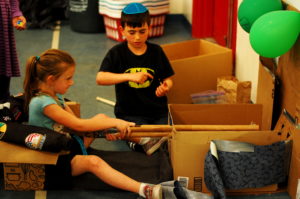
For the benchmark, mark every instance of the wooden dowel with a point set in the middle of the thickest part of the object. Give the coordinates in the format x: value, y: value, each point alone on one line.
x: 200, y: 127
x: 150, y: 134
x: 106, y: 101
x: 151, y: 128
x: 251, y: 127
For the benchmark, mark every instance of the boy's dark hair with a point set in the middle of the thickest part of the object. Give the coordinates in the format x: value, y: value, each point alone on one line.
x: 135, y: 20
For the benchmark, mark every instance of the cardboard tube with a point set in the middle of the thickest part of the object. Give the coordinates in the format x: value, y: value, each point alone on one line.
x: 251, y: 127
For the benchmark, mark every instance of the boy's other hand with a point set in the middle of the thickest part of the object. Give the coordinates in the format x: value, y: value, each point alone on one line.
x: 162, y: 90
x: 141, y: 77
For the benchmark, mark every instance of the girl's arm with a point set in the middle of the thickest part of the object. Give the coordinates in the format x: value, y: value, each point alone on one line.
x: 98, y: 122
x: 108, y: 78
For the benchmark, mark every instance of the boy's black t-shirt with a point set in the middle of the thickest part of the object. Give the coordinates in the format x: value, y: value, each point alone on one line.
x: 138, y: 99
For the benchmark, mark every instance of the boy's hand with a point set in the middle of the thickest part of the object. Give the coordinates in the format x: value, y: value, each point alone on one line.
x: 140, y: 77
x: 162, y: 90
x: 19, y: 22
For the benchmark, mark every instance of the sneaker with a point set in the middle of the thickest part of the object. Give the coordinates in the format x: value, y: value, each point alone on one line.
x: 153, y: 144
x: 135, y: 147
x: 153, y: 192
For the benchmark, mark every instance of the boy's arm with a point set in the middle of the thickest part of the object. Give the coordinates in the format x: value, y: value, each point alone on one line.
x: 108, y: 78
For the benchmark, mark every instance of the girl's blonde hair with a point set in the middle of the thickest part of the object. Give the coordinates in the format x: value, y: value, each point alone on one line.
x: 38, y: 68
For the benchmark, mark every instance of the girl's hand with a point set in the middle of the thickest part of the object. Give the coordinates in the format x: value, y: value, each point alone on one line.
x: 140, y: 77
x: 124, y: 128
x: 112, y: 136
x: 19, y: 22
x: 162, y: 90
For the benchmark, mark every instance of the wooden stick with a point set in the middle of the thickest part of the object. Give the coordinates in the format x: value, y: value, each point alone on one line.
x: 200, y: 127
x: 166, y: 130
x: 251, y: 127
x: 106, y: 101
x: 150, y: 134
x: 152, y: 128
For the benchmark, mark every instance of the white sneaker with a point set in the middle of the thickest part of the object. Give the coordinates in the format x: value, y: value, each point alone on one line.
x: 153, y: 144
x: 153, y: 192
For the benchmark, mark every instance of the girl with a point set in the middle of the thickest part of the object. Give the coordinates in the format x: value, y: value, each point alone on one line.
x: 47, y: 78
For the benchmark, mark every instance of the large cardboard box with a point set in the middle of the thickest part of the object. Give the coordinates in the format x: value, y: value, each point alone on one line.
x: 189, y: 148
x: 197, y: 65
x: 23, y: 167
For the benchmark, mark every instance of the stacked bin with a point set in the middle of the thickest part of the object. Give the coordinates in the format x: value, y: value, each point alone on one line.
x: 111, y: 12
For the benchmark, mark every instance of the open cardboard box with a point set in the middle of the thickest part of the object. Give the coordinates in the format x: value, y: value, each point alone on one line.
x: 197, y: 65
x: 189, y: 148
x: 24, y: 168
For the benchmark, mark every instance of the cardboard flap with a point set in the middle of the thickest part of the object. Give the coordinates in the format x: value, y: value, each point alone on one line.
x: 10, y: 153
x: 216, y: 113
x: 265, y: 95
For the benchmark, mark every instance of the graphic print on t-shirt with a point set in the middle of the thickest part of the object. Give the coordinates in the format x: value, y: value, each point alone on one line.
x: 147, y: 83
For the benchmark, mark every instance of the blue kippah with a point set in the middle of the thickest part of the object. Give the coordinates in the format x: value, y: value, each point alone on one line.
x: 134, y: 8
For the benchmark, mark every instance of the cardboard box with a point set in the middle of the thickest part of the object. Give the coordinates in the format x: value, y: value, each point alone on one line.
x: 189, y: 148
x: 197, y: 64
x: 23, y: 167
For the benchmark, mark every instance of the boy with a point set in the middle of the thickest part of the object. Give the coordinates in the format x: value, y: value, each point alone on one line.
x: 141, y: 73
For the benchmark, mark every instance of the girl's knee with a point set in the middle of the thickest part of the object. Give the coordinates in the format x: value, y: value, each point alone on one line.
x: 94, y: 161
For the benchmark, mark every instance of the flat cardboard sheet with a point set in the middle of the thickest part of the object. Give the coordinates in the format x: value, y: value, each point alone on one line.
x: 289, y: 72
x: 265, y: 95
x: 10, y: 153
x: 216, y: 114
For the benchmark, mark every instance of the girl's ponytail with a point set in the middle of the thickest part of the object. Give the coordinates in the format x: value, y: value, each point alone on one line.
x: 31, y: 81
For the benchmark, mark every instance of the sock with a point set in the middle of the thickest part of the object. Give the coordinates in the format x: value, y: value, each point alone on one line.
x: 144, y: 140
x: 141, y: 190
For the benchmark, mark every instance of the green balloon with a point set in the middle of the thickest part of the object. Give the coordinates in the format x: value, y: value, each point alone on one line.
x: 250, y: 10
x: 274, y: 33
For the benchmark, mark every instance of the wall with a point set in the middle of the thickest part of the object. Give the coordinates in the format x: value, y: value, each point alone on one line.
x: 247, y: 61
x: 182, y: 7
